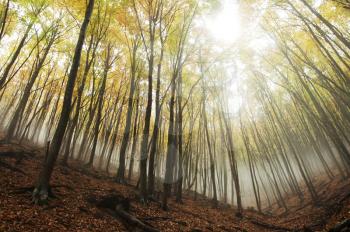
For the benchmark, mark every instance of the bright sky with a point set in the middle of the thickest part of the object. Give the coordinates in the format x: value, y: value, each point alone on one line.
x: 225, y: 25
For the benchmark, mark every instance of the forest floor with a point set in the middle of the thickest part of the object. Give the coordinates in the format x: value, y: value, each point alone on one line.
x: 78, y: 190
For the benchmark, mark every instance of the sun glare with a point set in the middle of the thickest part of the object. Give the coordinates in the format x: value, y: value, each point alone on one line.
x: 225, y: 25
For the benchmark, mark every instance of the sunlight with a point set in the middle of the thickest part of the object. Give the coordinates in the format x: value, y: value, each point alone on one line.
x: 158, y: 115
x: 225, y: 25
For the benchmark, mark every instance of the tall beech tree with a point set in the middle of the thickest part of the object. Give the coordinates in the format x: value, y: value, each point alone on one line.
x: 152, y: 17
x: 41, y: 191
x: 133, y: 52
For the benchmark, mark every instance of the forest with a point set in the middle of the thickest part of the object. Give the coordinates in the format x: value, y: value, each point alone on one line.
x: 175, y: 115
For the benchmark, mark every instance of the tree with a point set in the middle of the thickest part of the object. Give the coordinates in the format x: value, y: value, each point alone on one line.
x: 133, y: 62
x: 41, y: 191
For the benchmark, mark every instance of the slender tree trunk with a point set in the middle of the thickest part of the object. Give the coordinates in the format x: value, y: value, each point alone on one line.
x: 211, y: 155
x: 120, y: 178
x: 134, y: 140
x: 14, y: 56
x: 28, y: 88
x: 171, y: 148
x: 4, y: 19
x: 40, y: 193
x: 100, y: 105
x: 153, y: 151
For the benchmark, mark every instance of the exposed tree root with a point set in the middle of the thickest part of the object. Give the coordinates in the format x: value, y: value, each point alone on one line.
x: 118, y: 206
x: 132, y: 219
x: 40, y: 195
x: 343, y: 226
x: 22, y: 190
x: 30, y: 189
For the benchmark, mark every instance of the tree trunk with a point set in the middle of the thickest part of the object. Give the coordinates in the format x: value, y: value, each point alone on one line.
x: 122, y: 154
x: 14, y: 56
x: 40, y: 193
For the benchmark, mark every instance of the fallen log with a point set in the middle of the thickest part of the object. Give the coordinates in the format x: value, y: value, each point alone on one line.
x: 118, y: 206
x: 342, y: 226
x: 131, y: 219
